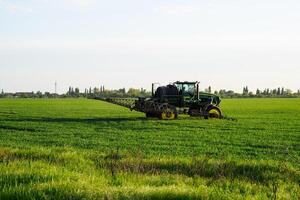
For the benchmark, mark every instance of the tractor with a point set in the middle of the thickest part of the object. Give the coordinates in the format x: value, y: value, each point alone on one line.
x: 168, y: 101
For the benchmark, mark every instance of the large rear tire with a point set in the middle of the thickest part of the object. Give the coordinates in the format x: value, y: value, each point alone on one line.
x: 213, y: 112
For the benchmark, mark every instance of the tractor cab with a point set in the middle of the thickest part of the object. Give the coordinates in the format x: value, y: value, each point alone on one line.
x: 188, y: 90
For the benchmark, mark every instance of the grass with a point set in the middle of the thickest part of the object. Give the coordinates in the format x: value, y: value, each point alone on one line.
x: 86, y: 149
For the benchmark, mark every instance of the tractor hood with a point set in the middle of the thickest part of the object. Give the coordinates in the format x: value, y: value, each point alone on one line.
x: 216, y: 100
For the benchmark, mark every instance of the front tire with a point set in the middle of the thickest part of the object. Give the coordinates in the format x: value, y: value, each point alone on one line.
x: 168, y: 114
x: 213, y: 112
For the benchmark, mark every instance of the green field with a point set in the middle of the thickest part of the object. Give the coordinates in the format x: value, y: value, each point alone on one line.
x: 88, y: 149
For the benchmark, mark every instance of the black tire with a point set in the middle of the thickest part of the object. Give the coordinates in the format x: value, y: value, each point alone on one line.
x: 213, y: 112
x: 168, y: 113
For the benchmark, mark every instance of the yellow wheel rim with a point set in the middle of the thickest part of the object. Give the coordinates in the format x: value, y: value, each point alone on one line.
x: 214, y: 113
x: 168, y: 114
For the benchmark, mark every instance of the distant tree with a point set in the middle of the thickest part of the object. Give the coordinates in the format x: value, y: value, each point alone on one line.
x: 90, y: 90
x: 102, y: 88
x: 77, y: 91
x: 288, y: 92
x: 257, y: 92
x: 278, y: 91
x: 245, y: 90
x: 209, y: 89
x: 282, y: 91
x: 47, y: 94
x: 143, y: 92
x: 230, y: 93
x: 39, y: 94
x: 96, y: 90
x: 132, y: 92
x: 222, y: 92
x: 2, y: 92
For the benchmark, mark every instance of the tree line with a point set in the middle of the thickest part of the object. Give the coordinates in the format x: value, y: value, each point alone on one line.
x: 101, y: 91
x: 134, y: 92
x: 74, y: 92
x: 279, y: 92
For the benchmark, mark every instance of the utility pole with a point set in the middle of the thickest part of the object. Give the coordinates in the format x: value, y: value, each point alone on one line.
x: 55, y: 88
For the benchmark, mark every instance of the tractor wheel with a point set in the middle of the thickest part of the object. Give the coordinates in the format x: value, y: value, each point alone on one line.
x: 168, y: 114
x: 213, y: 112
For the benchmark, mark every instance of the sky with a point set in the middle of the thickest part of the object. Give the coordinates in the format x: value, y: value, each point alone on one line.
x: 132, y: 43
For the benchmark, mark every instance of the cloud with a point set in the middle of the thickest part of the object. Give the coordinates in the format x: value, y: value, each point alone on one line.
x: 177, y: 9
x: 14, y: 7
x: 79, y: 3
x: 40, y: 1
x: 27, y: 7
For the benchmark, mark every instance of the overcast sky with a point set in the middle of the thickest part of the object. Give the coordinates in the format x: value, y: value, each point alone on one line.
x: 132, y: 43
